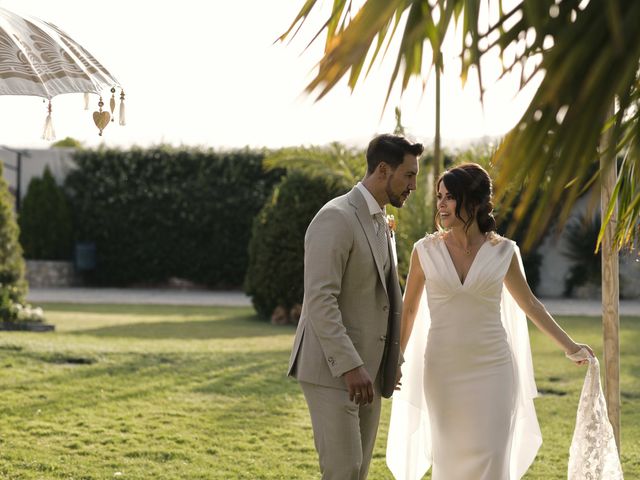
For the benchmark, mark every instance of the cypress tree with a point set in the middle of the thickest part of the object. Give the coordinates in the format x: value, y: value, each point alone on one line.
x: 45, y: 220
x: 13, y: 286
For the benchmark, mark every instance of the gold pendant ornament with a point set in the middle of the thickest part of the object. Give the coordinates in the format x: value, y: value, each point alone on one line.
x: 100, y: 118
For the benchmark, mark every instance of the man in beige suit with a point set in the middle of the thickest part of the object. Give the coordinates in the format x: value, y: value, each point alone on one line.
x: 346, y: 353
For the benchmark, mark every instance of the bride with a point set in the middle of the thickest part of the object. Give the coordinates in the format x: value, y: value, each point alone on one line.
x: 465, y: 408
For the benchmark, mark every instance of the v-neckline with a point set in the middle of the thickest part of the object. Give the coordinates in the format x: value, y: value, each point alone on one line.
x: 453, y: 265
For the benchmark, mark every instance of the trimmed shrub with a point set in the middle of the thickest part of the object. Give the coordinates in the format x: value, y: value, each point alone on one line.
x: 276, y: 251
x: 13, y: 286
x: 45, y: 220
x: 582, y: 236
x: 341, y: 168
x: 160, y: 212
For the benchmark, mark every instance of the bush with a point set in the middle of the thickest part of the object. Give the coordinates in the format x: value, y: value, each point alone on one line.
x: 67, y: 142
x: 13, y: 286
x: 341, y: 168
x: 160, y: 212
x: 12, y: 311
x: 45, y: 220
x: 586, y: 268
x: 276, y: 251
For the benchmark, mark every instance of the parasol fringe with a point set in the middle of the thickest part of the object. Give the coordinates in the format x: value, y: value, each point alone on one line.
x: 49, y: 133
x: 121, y: 116
x: 86, y: 100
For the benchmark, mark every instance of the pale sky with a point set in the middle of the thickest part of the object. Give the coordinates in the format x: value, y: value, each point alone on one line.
x: 208, y: 73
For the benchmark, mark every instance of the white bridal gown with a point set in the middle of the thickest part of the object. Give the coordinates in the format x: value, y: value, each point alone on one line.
x: 466, y: 403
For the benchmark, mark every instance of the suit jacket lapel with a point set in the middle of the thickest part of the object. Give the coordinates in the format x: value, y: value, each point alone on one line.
x: 364, y: 217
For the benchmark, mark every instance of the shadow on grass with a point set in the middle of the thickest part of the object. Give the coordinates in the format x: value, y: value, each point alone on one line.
x: 150, y: 377
x: 630, y: 358
x: 144, y: 310
x: 236, y: 327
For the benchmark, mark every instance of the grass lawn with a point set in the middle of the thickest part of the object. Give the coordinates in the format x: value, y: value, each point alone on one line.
x: 156, y: 392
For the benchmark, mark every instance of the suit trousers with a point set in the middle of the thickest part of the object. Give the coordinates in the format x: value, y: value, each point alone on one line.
x: 344, y: 432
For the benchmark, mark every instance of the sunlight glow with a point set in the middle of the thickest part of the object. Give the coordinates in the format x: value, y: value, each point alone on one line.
x: 210, y: 74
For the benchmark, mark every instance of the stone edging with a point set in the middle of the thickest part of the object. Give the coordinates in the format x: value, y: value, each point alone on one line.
x: 27, y: 326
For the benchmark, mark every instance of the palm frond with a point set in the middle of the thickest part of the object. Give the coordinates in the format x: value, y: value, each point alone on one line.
x: 587, y: 54
x: 338, y: 165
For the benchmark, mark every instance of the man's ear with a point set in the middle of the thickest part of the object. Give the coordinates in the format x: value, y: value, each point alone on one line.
x: 383, y: 169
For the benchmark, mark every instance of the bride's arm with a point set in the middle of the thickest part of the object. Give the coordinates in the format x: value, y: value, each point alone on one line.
x: 412, y: 295
x: 534, y: 309
x: 517, y: 285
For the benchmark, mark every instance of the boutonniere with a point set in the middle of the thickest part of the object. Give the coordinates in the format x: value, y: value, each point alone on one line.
x: 391, y: 221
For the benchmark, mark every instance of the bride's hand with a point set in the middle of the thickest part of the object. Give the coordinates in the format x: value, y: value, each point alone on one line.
x: 576, y: 348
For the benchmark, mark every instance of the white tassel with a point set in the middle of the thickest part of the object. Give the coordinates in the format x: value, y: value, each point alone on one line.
x: 86, y: 101
x: 121, y: 117
x: 49, y: 133
x: 112, y: 103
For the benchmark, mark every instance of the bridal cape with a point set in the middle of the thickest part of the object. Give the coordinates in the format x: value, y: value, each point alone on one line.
x: 593, y: 453
x: 409, y: 440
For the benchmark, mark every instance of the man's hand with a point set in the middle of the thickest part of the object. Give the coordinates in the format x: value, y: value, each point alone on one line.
x: 359, y: 385
x: 398, y: 378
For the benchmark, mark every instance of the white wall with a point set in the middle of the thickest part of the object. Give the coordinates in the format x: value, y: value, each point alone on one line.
x: 555, y: 266
x: 33, y: 162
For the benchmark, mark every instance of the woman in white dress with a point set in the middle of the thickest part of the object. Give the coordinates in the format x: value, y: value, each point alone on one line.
x: 465, y: 402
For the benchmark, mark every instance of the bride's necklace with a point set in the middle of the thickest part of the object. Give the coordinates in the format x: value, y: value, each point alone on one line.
x: 467, y: 251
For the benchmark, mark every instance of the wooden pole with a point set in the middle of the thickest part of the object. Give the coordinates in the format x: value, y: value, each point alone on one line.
x: 610, y: 284
x: 438, y: 167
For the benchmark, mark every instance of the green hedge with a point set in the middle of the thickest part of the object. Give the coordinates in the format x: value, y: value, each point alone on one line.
x: 13, y: 287
x: 45, y: 220
x: 161, y: 212
x: 276, y: 265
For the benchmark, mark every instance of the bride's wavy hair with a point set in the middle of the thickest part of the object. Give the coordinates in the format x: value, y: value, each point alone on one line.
x: 471, y: 186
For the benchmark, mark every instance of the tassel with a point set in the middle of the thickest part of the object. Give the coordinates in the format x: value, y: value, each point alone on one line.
x: 112, y: 102
x: 122, y: 120
x: 86, y: 101
x: 49, y: 133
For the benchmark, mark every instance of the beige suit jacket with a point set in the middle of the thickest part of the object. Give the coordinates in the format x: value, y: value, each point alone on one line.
x: 350, y: 312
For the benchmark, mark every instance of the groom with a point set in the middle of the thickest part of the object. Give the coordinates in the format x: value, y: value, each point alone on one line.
x: 346, y: 351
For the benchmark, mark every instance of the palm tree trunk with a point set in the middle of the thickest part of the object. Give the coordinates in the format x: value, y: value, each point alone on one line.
x: 610, y: 284
x: 438, y: 167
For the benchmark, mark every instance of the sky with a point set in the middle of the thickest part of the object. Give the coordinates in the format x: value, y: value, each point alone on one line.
x: 208, y: 73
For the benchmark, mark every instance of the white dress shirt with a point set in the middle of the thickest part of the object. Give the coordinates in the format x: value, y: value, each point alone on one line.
x: 374, y: 208
x: 373, y: 205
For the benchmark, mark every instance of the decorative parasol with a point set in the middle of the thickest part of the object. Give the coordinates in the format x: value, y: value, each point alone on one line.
x: 37, y: 58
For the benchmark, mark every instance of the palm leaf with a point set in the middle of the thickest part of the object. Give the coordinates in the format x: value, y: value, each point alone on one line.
x: 338, y: 165
x: 550, y: 154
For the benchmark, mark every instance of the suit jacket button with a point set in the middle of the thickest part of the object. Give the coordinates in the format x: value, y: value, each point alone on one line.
x: 385, y: 308
x: 383, y: 338
x: 331, y: 360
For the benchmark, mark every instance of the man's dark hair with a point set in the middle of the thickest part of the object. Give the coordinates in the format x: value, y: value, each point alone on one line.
x: 390, y: 149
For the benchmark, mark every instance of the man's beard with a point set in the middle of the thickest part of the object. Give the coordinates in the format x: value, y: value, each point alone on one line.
x: 396, y: 200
